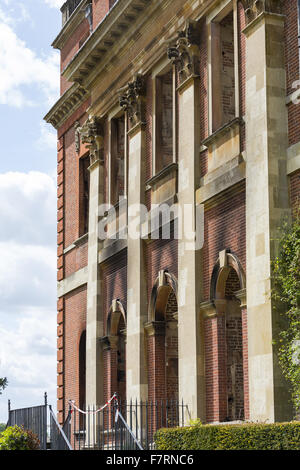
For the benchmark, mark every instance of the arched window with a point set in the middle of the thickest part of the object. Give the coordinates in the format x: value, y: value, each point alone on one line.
x: 162, y: 330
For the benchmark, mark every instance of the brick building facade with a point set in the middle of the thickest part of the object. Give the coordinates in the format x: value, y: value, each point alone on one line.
x: 174, y: 103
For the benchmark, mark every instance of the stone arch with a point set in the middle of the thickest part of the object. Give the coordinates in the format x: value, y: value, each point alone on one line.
x: 115, y: 350
x: 116, y: 313
x: 225, y: 262
x: 162, y: 342
x: 164, y: 284
x: 227, y: 283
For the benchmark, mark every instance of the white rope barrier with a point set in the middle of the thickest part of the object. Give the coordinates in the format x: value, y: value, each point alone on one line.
x: 74, y: 407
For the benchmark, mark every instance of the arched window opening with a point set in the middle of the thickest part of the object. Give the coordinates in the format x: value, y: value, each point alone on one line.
x: 82, y: 373
x: 234, y: 352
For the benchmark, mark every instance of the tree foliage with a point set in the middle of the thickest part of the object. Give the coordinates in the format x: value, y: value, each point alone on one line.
x: 18, y: 438
x: 286, y: 291
x: 3, y: 384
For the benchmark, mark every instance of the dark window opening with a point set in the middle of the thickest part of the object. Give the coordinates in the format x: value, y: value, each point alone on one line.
x: 84, y: 194
x: 117, y: 159
x: 223, y: 72
x: 164, y: 120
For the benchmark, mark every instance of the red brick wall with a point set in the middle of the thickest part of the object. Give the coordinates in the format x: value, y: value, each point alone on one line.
x: 242, y: 71
x: 60, y: 208
x: 114, y: 275
x: 71, y: 47
x: 67, y: 233
x: 160, y: 254
x: 100, y: 9
x: 71, y: 201
x: 215, y: 368
x: 292, y: 66
x: 245, y: 362
x: 149, y: 133
x: 76, y: 259
x: 71, y: 324
x: 295, y: 189
x: 224, y: 227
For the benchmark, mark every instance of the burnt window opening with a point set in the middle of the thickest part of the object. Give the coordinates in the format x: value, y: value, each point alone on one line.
x: 84, y: 194
x: 164, y: 111
x: 67, y: 9
x: 118, y: 142
x: 223, y: 71
x: 82, y: 375
x: 299, y: 30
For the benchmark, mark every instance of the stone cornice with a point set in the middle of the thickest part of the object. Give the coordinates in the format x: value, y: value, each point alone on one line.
x: 120, y: 18
x: 70, y: 26
x: 66, y: 105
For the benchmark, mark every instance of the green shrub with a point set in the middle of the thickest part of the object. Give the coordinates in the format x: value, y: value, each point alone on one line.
x: 2, y: 427
x: 17, y: 438
x: 278, y: 436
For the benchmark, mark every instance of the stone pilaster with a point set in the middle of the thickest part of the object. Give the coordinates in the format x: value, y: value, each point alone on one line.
x: 267, y: 198
x: 91, y: 134
x: 132, y: 101
x: 185, y: 54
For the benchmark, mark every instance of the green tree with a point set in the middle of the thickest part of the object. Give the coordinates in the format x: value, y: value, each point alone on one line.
x: 18, y: 438
x: 3, y: 384
x: 286, y: 292
x: 2, y: 427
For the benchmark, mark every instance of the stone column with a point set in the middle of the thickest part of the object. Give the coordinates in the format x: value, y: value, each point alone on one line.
x: 132, y: 101
x: 267, y: 198
x: 91, y: 134
x: 185, y: 55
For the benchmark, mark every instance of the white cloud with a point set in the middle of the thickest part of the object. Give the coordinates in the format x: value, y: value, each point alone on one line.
x: 27, y: 288
x: 28, y: 208
x: 48, y: 137
x: 55, y: 3
x: 28, y: 358
x: 21, y: 69
x: 27, y: 276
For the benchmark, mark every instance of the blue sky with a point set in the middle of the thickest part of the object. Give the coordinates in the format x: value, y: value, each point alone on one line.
x: 29, y: 86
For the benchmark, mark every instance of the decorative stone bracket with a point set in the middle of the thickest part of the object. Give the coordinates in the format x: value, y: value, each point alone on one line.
x: 132, y: 100
x: 91, y: 134
x: 253, y: 8
x: 184, y: 53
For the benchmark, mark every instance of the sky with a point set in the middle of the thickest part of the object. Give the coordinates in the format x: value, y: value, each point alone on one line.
x: 29, y: 86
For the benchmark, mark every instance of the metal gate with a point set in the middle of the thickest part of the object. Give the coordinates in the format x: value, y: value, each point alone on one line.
x: 123, y: 425
x: 33, y: 418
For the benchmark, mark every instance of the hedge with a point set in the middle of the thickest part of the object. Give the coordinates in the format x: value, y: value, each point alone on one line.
x: 278, y: 436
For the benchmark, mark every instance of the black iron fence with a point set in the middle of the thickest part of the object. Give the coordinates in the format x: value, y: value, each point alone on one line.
x: 124, y: 425
x: 119, y: 425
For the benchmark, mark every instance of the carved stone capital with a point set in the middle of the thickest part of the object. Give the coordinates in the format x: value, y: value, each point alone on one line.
x: 113, y: 341
x: 183, y: 51
x: 132, y: 100
x: 253, y: 8
x: 155, y: 328
x: 91, y: 134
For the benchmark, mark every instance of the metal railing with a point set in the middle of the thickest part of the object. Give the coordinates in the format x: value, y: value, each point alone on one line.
x: 118, y: 425
x: 124, y: 425
x: 59, y: 436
